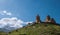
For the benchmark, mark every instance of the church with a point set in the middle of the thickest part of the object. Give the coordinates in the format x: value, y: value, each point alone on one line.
x: 48, y: 19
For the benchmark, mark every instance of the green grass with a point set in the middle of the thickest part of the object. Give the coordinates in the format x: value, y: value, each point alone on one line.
x: 37, y: 29
x: 3, y: 33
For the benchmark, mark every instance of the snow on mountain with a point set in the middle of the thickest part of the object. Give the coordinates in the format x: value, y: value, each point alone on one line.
x: 8, y: 24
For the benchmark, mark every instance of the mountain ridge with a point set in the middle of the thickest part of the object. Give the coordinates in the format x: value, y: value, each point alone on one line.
x: 37, y: 29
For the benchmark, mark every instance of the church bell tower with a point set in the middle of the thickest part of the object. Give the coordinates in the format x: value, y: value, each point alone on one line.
x: 38, y: 19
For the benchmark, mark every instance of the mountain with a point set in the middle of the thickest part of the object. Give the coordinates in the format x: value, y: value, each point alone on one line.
x: 37, y: 29
x: 9, y: 27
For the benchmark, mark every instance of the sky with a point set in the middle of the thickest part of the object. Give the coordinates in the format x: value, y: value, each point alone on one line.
x: 26, y: 10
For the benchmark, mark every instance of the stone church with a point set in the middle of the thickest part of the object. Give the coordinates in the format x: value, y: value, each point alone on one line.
x: 38, y: 19
x: 48, y: 19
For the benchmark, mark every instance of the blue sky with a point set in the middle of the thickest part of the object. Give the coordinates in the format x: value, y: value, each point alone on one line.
x: 27, y: 10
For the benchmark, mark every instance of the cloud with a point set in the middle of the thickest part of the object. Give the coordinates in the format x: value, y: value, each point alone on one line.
x: 12, y: 23
x: 5, y: 13
x: 29, y: 22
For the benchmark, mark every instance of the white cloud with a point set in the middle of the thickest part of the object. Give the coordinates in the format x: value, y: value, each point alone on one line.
x: 5, y: 13
x: 12, y: 23
x: 29, y: 22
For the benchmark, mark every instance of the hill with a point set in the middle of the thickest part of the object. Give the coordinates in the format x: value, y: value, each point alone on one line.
x: 37, y: 29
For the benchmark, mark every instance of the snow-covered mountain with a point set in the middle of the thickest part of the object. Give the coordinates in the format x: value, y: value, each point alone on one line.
x: 8, y: 24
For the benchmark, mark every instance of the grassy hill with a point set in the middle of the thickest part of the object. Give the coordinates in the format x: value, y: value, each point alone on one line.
x: 37, y: 29
x: 3, y: 33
